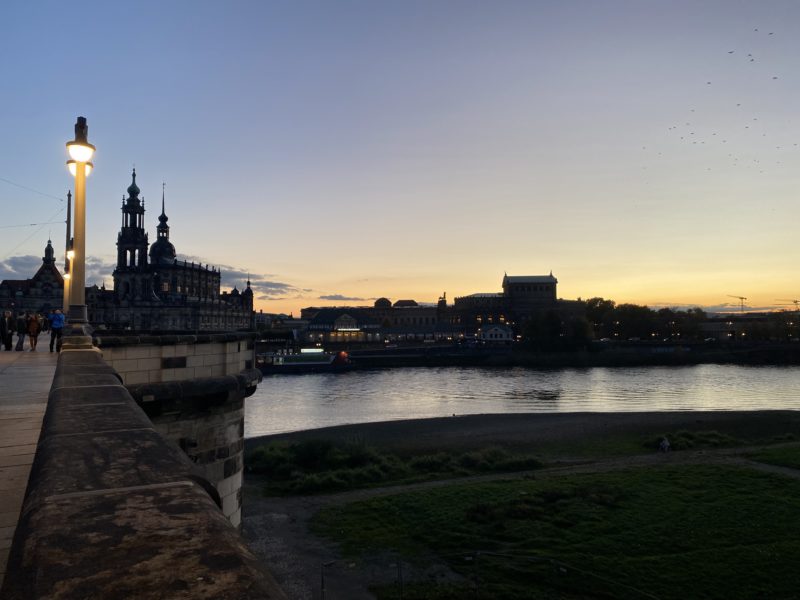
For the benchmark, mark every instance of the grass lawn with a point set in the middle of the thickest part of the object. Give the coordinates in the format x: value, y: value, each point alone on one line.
x: 784, y: 456
x: 670, y: 532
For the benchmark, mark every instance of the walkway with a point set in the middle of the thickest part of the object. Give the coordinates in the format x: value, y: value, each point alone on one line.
x: 25, y: 379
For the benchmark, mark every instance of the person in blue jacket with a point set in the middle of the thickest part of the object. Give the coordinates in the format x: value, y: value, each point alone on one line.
x: 56, y: 328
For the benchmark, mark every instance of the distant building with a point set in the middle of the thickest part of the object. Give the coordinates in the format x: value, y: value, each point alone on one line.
x: 522, y: 298
x: 41, y: 293
x: 153, y: 290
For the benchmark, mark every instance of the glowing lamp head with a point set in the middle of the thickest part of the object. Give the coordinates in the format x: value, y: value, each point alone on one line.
x: 73, y: 167
x: 70, y: 254
x: 66, y: 276
x: 80, y: 149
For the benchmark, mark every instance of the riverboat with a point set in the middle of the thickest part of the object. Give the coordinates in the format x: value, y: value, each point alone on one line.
x: 310, y: 360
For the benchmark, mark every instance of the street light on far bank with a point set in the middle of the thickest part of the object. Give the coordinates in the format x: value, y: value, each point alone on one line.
x: 80, y: 152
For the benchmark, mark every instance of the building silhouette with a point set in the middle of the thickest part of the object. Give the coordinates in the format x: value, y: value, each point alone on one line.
x: 41, y: 293
x: 154, y: 291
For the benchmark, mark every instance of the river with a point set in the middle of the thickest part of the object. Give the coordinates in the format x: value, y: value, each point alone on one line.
x: 286, y: 403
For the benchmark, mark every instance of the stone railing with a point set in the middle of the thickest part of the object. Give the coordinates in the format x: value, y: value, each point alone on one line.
x: 113, y: 510
x: 161, y: 358
x: 193, y: 388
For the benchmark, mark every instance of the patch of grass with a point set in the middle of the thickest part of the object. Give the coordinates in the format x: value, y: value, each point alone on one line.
x: 688, y: 440
x: 673, y: 532
x: 319, y: 466
x: 783, y: 456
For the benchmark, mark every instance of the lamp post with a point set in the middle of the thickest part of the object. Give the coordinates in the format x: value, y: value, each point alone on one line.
x: 68, y: 255
x: 80, y: 152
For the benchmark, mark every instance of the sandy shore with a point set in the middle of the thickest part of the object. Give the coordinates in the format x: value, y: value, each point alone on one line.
x: 516, y: 429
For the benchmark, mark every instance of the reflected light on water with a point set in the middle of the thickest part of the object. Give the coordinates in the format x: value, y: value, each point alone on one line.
x: 285, y: 403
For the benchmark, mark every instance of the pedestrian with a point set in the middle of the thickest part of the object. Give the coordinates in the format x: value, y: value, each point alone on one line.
x: 34, y: 328
x: 7, y: 328
x: 664, y: 445
x: 22, y: 330
x: 56, y: 328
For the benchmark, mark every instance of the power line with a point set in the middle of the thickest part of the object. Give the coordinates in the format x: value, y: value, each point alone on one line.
x: 60, y: 210
x: 30, y: 189
x: 29, y: 225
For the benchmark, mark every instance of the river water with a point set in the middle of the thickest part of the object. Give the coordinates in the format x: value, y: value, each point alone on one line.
x: 286, y: 403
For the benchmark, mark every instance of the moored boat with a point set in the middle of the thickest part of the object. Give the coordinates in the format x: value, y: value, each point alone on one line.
x: 311, y: 360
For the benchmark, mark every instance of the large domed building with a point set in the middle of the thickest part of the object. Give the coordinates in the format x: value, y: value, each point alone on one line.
x: 153, y: 290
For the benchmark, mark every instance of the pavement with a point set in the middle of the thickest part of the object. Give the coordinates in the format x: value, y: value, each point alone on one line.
x: 25, y: 380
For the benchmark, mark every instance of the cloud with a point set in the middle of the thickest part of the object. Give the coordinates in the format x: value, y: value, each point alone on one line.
x: 97, y: 271
x: 262, y: 284
x: 19, y: 267
x: 341, y: 298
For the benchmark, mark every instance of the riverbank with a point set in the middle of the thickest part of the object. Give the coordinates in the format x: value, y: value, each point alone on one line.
x: 596, y: 354
x: 589, y: 445
x: 543, y: 430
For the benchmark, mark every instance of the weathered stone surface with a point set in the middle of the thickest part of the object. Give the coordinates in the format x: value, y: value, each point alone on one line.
x: 66, y: 464
x: 72, y: 359
x: 114, y: 510
x: 65, y: 378
x: 107, y: 394
x: 161, y: 542
x: 63, y: 418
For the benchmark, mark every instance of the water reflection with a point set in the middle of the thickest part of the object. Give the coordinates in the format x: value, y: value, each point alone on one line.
x: 291, y: 403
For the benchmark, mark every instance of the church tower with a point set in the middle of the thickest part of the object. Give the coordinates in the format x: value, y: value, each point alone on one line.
x: 162, y: 252
x: 131, y: 279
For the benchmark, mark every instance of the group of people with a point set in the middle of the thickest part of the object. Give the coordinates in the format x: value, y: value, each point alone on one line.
x: 30, y: 325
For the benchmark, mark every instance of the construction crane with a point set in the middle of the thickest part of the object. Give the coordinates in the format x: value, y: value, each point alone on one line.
x: 795, y: 302
x: 741, y: 300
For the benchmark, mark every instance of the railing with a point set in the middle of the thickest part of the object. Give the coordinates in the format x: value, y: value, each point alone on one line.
x: 113, y: 510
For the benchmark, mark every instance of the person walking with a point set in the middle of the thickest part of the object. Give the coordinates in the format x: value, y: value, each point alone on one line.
x: 7, y: 328
x: 22, y: 330
x: 56, y: 329
x: 34, y: 328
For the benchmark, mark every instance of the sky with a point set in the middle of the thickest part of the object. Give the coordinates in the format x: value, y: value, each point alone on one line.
x: 343, y: 151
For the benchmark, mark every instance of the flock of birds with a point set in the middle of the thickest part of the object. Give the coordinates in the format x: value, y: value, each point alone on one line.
x: 733, y: 129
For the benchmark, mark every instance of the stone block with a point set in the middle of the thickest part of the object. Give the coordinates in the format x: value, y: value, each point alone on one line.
x: 167, y: 351
x: 116, y: 394
x: 236, y: 519
x: 155, y: 352
x: 183, y: 350
x: 63, y: 418
x: 85, y: 379
x: 135, y: 377
x: 194, y: 361
x: 212, y: 359
x: 230, y: 504
x: 125, y: 365
x: 97, y: 460
x: 169, y: 542
x: 137, y: 352
x: 145, y: 364
x: 168, y: 375
x: 217, y: 370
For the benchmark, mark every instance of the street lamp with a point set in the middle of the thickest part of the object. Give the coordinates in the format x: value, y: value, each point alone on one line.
x: 80, y: 151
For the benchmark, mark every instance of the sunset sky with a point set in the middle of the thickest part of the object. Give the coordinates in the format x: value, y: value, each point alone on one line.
x: 345, y: 150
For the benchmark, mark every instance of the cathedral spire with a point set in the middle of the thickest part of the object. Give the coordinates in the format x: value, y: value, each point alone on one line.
x: 133, y: 189
x: 163, y: 228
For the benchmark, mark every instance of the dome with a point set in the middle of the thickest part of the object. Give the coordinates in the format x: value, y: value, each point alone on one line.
x: 383, y: 303
x: 133, y: 189
x: 162, y: 252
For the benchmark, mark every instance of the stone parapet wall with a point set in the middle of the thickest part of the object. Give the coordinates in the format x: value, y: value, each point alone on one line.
x: 205, y: 418
x: 113, y: 510
x: 165, y: 358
